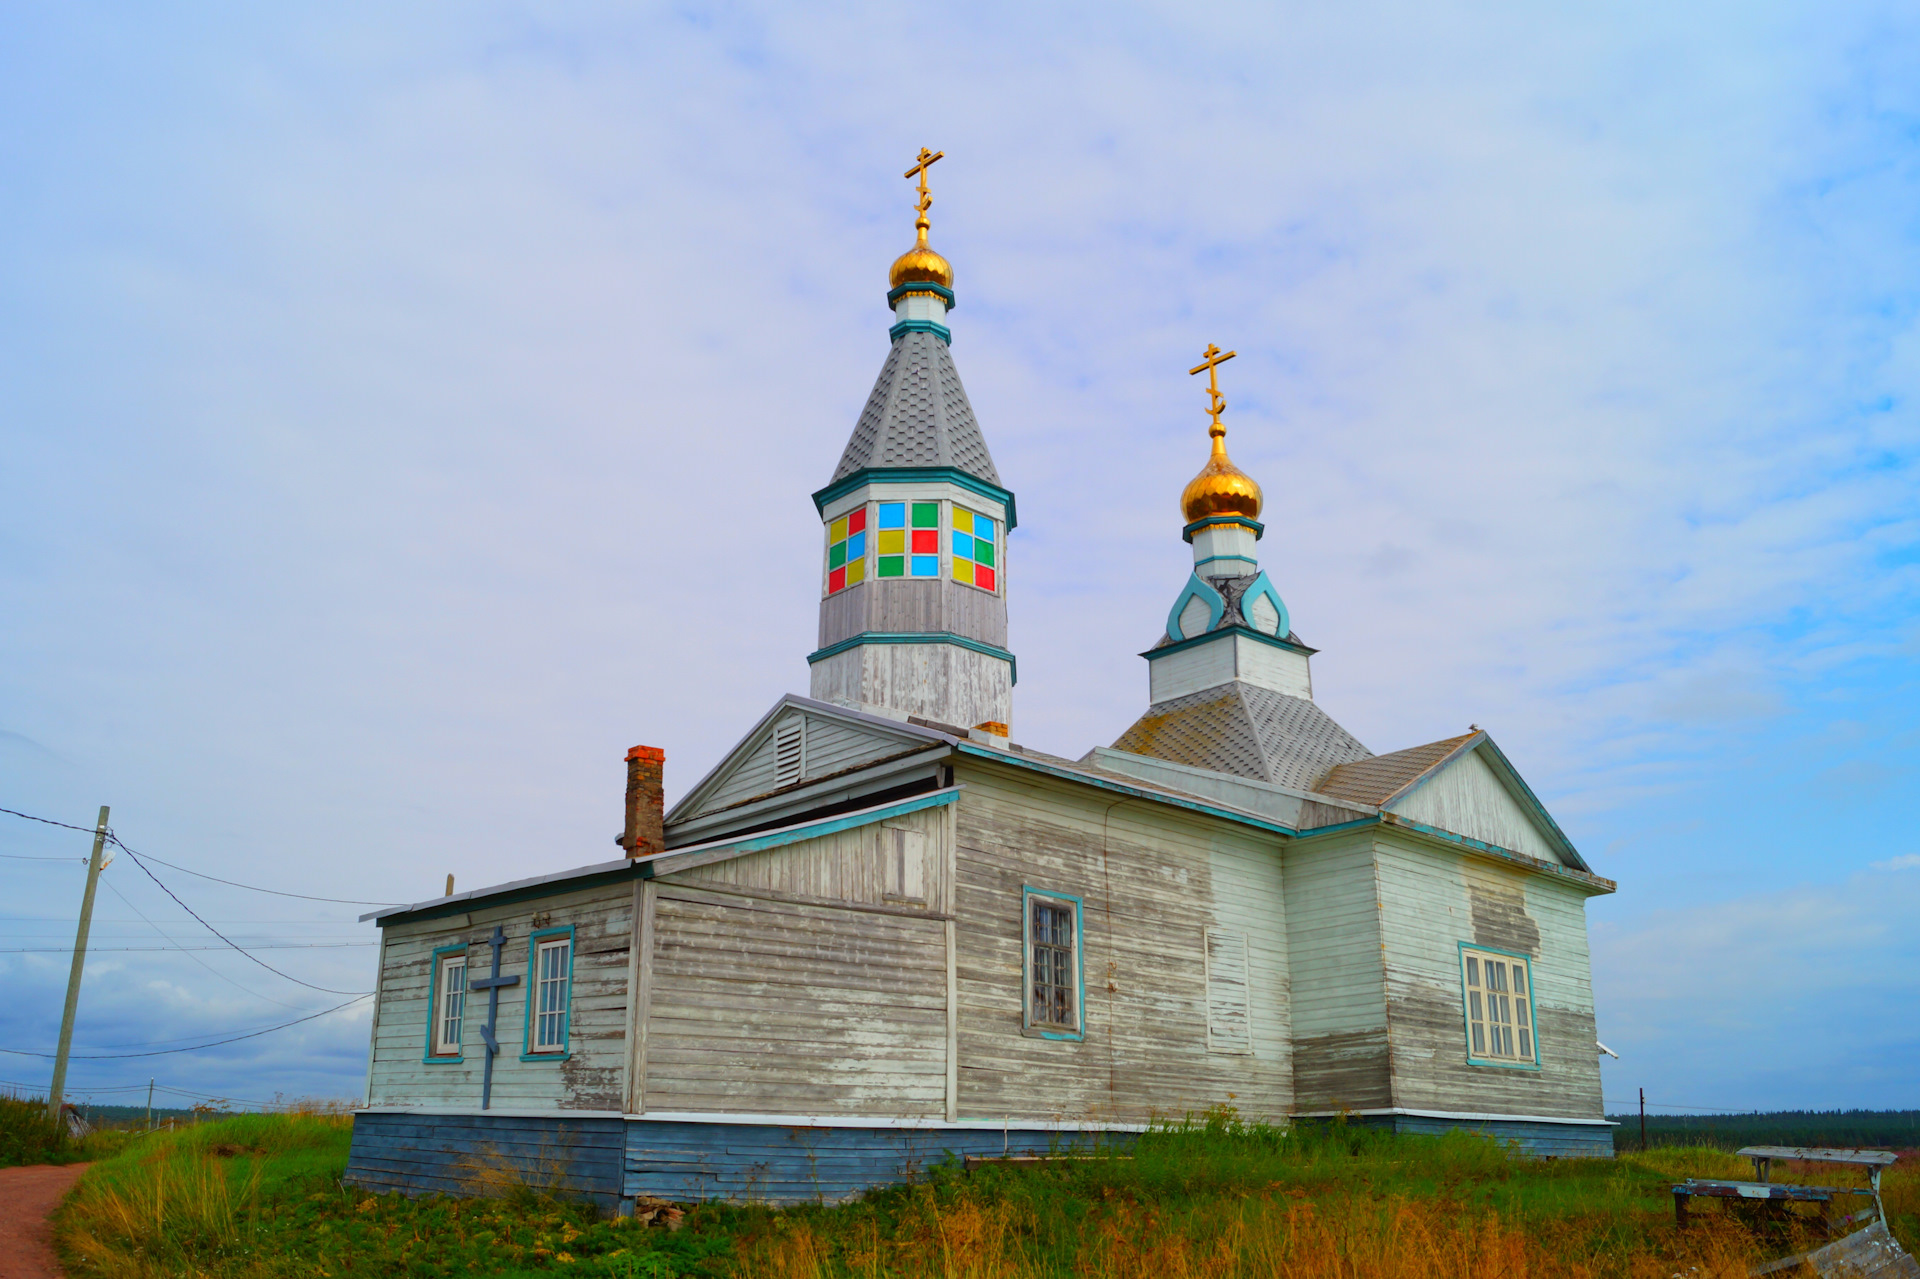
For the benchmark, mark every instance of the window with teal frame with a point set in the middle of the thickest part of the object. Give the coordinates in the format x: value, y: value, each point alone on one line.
x: 446, y: 1003
x: 1056, y: 988
x: 1497, y: 993
x: 549, y: 993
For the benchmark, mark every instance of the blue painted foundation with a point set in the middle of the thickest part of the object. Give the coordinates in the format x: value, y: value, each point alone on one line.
x: 1541, y: 1139
x: 610, y: 1159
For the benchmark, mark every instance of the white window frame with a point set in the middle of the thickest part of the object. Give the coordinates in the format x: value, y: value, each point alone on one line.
x: 439, y: 1046
x: 1076, y: 1027
x: 540, y: 985
x: 1497, y: 1008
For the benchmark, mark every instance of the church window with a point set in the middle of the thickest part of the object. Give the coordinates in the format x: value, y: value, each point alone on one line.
x: 549, y: 993
x: 1054, y: 986
x: 908, y: 539
x: 847, y: 550
x: 447, y: 1002
x: 1499, y: 999
x: 975, y: 561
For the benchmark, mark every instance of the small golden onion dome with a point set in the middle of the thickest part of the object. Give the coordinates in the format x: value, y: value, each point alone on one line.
x: 920, y: 265
x: 1221, y: 488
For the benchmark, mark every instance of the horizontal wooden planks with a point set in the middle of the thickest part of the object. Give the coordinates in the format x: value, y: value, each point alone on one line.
x: 487, y: 1154
x: 873, y: 865
x: 1333, y: 954
x: 788, y: 1007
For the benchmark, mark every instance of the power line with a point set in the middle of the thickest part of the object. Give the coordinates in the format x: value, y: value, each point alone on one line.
x: 84, y: 830
x: 195, y: 958
x: 162, y: 1052
x: 217, y: 933
x: 22, y: 857
x: 271, y: 945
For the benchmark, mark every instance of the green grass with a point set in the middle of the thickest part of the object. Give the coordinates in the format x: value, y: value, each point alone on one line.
x: 28, y: 1136
x: 258, y: 1196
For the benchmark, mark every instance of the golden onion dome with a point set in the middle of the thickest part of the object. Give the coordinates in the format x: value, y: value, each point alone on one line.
x: 920, y: 265
x: 1221, y: 488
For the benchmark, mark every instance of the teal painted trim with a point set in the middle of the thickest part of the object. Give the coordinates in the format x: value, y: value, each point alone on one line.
x: 1317, y: 831
x: 533, y: 893
x: 1168, y: 650
x: 1263, y: 585
x: 1219, y: 559
x: 1200, y: 588
x: 921, y: 286
x: 904, y: 327
x: 433, y: 1009
x: 1533, y: 1019
x: 1585, y: 877
x: 534, y: 939
x: 913, y: 474
x: 813, y: 830
x: 1259, y: 529
x: 1539, y: 809
x: 916, y: 637
x: 1120, y: 788
x: 1027, y: 893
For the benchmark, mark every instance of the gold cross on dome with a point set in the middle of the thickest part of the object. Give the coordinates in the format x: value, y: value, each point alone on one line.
x: 1211, y: 364
x: 921, y: 164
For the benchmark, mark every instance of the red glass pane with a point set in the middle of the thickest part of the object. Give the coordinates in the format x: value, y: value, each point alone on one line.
x: 983, y: 577
x: 926, y: 541
x: 857, y: 520
x: 836, y: 580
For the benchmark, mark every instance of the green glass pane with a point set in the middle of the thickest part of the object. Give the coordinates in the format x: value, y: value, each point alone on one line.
x: 837, y: 556
x: 926, y: 515
x: 893, y: 566
x: 983, y: 552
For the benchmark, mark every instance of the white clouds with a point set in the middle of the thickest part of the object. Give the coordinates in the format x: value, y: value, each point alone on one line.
x: 1906, y: 861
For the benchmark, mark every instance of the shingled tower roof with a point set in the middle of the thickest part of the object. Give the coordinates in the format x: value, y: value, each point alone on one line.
x: 918, y: 416
x: 1248, y: 731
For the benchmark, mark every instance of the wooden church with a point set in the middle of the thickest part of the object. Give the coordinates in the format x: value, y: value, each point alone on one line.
x: 881, y: 933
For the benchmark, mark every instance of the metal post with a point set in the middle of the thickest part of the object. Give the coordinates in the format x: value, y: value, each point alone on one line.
x: 149, y: 1105
x: 1643, y: 1121
x: 57, y: 1093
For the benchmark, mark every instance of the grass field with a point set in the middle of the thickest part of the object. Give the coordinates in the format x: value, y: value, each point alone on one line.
x: 28, y: 1136
x: 258, y: 1196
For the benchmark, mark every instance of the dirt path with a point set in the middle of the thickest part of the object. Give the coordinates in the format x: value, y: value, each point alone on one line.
x: 27, y: 1195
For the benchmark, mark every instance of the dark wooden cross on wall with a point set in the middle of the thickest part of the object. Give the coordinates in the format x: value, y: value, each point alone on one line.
x: 492, y: 986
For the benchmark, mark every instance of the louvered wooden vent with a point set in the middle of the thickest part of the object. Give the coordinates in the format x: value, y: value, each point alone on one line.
x: 1228, y: 1030
x: 789, y: 752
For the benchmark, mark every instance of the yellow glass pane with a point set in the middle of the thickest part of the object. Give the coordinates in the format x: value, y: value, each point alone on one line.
x: 893, y: 541
x: 838, y: 531
x: 963, y: 572
x: 962, y: 520
x: 856, y: 572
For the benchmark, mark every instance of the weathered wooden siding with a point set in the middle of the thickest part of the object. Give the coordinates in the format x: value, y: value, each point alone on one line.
x: 1339, y: 1001
x: 1540, y: 1140
x: 794, y: 1164
x: 1467, y: 799
x: 592, y: 1076
x: 902, y: 861
x: 465, y: 1155
x: 784, y: 1007
x: 1152, y: 882
x: 902, y: 604
x: 1432, y: 899
x: 942, y: 682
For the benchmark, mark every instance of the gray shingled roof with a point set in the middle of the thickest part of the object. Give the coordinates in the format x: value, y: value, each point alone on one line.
x: 1374, y: 781
x: 918, y: 415
x: 1245, y: 730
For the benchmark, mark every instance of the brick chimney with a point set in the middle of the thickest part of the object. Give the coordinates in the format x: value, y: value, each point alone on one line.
x: 645, y: 802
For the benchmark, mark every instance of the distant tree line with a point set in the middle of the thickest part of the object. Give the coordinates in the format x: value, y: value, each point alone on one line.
x: 1886, y: 1129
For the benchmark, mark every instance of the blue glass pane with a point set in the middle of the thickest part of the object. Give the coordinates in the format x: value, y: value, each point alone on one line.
x: 963, y: 546
x: 893, y: 515
x: 856, y: 546
x: 926, y: 566
x: 983, y: 528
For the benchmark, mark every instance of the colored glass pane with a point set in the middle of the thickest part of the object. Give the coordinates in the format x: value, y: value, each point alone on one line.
x: 836, y: 580
x: 856, y: 571
x: 893, y: 566
x: 837, y: 555
x: 837, y: 531
x: 926, y: 541
x: 892, y: 541
x: 847, y: 550
x: 926, y: 566
x: 926, y: 515
x: 857, y: 546
x: 857, y: 520
x: 893, y: 515
x: 973, y: 554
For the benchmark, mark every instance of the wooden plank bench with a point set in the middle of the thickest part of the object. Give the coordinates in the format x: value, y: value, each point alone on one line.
x: 1764, y: 1189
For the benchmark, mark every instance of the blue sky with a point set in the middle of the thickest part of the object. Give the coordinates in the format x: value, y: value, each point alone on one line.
x: 406, y: 410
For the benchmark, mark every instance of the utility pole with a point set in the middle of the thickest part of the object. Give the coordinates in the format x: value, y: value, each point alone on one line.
x: 57, y: 1092
x: 149, y: 1105
x: 1643, y: 1121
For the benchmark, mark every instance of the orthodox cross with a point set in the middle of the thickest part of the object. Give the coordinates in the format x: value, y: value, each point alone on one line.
x: 492, y: 986
x: 921, y: 164
x: 1212, y: 364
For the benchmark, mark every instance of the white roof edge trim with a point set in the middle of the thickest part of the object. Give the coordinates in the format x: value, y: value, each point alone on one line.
x: 770, y: 1120
x: 843, y: 821
x: 1456, y: 1114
